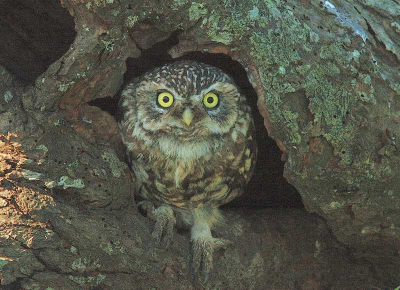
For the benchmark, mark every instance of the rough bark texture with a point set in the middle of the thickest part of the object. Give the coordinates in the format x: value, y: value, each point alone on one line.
x: 326, y: 76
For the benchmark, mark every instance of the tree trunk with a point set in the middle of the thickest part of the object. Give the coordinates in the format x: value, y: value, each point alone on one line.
x: 326, y: 75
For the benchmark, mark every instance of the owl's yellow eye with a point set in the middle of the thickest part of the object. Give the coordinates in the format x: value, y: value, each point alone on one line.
x: 210, y: 100
x: 165, y: 99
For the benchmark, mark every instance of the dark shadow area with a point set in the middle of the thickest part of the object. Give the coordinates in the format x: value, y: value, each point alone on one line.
x: 33, y: 35
x: 267, y: 188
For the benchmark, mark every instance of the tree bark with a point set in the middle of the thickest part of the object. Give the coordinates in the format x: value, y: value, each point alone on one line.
x: 328, y: 85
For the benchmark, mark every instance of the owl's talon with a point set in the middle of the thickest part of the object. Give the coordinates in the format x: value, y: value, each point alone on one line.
x: 148, y: 207
x: 165, y: 222
x: 222, y: 244
x: 203, y: 250
x: 164, y: 218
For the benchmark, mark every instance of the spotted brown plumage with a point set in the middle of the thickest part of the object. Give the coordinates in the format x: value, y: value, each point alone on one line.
x: 189, y: 137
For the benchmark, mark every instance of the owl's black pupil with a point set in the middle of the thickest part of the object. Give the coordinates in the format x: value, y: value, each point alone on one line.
x: 165, y: 99
x: 210, y: 100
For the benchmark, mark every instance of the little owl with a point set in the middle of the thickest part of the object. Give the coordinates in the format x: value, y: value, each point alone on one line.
x: 189, y: 138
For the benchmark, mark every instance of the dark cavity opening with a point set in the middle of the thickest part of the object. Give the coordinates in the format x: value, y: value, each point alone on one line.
x: 33, y: 35
x: 268, y: 187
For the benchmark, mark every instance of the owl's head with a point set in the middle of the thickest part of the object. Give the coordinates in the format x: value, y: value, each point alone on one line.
x: 187, y: 100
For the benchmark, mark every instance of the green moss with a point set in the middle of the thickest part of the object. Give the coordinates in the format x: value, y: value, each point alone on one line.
x: 65, y: 86
x: 3, y: 262
x: 109, y: 248
x: 197, y: 10
x: 370, y: 230
x: 395, y: 87
x: 81, y: 75
x: 30, y: 175
x: 42, y: 147
x: 274, y: 48
x: 334, y: 205
x: 367, y: 98
x: 277, y: 47
x: 108, y: 44
x: 217, y: 31
x: 336, y: 53
x: 290, y: 119
x: 373, y: 170
x: 73, y: 250
x: 358, y: 85
x: 71, y: 168
x: 314, y: 37
x: 235, y: 22
x: 100, y: 172
x: 98, y: 3
x: 330, y: 104
x: 131, y: 20
x: 83, y: 264
x: 366, y: 78
x: 116, y: 166
x: 303, y: 69
x: 257, y: 261
x: 356, y: 55
x: 278, y: 50
x: 254, y: 13
x: 115, y: 12
x: 8, y: 96
x: 57, y: 123
x: 66, y: 182
x: 87, y: 279
x: 79, y: 264
x: 178, y: 3
x: 387, y: 150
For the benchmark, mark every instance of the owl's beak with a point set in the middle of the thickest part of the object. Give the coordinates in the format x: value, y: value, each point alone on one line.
x: 187, y: 116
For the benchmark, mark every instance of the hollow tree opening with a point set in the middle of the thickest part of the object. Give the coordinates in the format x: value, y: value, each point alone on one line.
x: 269, y: 167
x: 33, y: 35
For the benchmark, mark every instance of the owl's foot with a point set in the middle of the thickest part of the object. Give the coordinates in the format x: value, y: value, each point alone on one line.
x: 203, y: 249
x: 165, y: 221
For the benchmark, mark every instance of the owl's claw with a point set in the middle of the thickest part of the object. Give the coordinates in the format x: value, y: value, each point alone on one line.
x: 203, y: 250
x: 165, y: 221
x: 148, y: 207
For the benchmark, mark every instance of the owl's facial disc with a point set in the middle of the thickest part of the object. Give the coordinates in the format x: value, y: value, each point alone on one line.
x: 198, y: 111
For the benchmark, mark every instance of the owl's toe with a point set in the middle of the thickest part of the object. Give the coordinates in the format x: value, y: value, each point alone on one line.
x: 202, y: 255
x: 165, y: 223
x: 148, y: 208
x: 203, y: 250
x: 221, y: 243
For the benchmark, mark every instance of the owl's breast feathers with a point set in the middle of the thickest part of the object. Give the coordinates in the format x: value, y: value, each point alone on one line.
x: 216, y: 177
